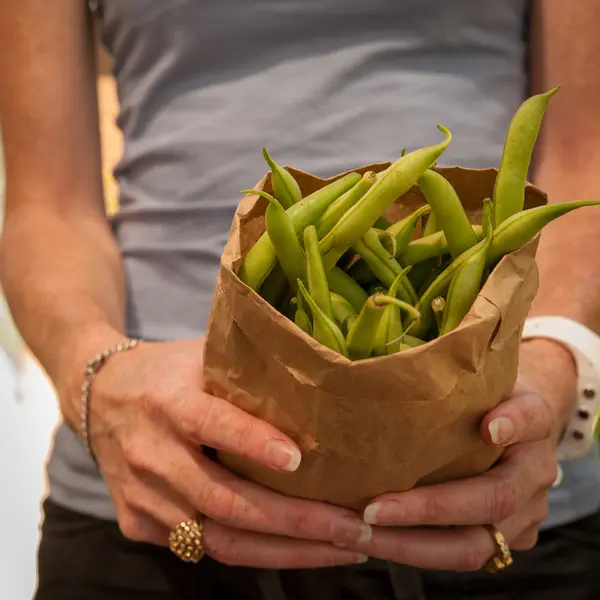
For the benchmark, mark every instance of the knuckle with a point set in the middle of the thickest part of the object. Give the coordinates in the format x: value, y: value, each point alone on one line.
x: 503, y: 503
x: 299, y: 523
x: 219, y: 503
x: 548, y: 473
x: 131, y: 528
x: 541, y: 513
x: 473, y: 559
x: 429, y: 509
x: 136, y: 454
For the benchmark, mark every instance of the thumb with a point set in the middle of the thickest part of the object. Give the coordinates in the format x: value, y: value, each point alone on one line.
x: 525, y: 417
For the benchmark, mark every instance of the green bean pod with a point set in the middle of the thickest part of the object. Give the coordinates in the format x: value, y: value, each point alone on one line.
x: 404, y: 229
x: 341, y: 283
x: 362, y: 335
x: 325, y: 331
x: 437, y: 306
x: 382, y: 223
x: 385, y: 267
x: 343, y: 311
x: 301, y: 319
x: 261, y: 258
x: 450, y: 215
x: 389, y: 333
x: 431, y: 225
x: 509, y: 188
x: 521, y: 228
x: 466, y: 282
x: 283, y: 237
x: 431, y: 246
x: 398, y: 179
x: 387, y: 240
x: 412, y: 341
x: 316, y: 276
x: 285, y: 187
x: 439, y: 287
x: 338, y: 209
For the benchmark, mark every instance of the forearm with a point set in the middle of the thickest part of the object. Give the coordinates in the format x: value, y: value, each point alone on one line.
x: 565, y: 52
x: 64, y: 282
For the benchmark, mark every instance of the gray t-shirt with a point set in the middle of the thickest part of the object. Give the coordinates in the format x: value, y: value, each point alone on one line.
x: 325, y: 85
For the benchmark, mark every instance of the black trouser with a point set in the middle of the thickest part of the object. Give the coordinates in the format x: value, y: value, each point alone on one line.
x: 82, y: 558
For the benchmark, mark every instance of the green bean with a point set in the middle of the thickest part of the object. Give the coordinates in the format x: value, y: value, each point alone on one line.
x: 518, y: 230
x: 283, y: 237
x: 338, y: 209
x: 325, y: 331
x: 431, y: 246
x: 509, y: 188
x: 261, y: 258
x: 404, y: 229
x: 316, y: 276
x: 466, y: 282
x: 387, y: 340
x: 437, y: 306
x: 285, y: 187
x: 388, y: 241
x: 431, y: 226
x: 412, y: 341
x: 341, y: 283
x: 450, y: 215
x: 385, y: 267
x: 301, y: 318
x: 343, y: 311
x: 398, y: 179
x: 439, y: 287
x: 362, y: 335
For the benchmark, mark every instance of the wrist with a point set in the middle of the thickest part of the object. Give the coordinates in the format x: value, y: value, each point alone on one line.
x: 83, y: 345
x: 550, y: 368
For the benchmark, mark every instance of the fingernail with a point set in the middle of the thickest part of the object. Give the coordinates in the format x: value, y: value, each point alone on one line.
x: 384, y: 513
x: 351, y: 530
x: 283, y: 456
x: 501, y: 431
x: 361, y: 559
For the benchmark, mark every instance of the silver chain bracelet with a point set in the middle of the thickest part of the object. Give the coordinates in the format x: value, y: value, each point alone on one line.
x: 91, y: 371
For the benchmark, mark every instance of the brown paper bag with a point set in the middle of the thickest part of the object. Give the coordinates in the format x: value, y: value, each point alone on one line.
x: 378, y: 425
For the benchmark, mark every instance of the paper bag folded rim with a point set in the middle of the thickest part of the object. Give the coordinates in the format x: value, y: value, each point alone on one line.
x: 378, y: 425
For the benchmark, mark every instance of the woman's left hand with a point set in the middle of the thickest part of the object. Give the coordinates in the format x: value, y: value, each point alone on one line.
x: 441, y: 526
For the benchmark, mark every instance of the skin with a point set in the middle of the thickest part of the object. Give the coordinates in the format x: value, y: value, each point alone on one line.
x: 69, y: 304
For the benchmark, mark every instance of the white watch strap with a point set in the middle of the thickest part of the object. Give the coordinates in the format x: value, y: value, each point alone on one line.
x: 584, y: 344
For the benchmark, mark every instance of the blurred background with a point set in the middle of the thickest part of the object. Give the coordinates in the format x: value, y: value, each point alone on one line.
x: 28, y: 409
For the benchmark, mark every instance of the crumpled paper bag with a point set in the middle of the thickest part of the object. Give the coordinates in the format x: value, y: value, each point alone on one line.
x: 379, y: 425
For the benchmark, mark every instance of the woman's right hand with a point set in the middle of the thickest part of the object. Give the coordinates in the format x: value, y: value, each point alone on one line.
x: 149, y: 420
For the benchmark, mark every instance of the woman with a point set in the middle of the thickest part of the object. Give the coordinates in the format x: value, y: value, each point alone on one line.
x: 325, y: 86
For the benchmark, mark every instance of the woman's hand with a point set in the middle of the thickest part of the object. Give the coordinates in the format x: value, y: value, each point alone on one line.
x: 513, y: 495
x: 150, y: 419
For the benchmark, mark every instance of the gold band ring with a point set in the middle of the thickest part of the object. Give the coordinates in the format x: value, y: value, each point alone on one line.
x: 185, y: 541
x: 503, y: 556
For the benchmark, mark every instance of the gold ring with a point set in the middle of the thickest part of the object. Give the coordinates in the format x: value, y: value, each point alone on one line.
x: 185, y: 541
x: 503, y: 556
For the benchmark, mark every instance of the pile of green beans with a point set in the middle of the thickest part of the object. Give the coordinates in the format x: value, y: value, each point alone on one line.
x: 334, y: 265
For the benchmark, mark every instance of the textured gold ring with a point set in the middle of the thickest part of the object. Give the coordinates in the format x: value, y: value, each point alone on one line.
x: 503, y: 556
x: 185, y: 541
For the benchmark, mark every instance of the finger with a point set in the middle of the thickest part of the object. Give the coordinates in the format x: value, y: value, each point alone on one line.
x: 240, y: 504
x: 488, y: 498
x: 455, y: 549
x: 527, y: 540
x: 207, y: 420
x: 242, y: 548
x: 525, y: 417
x: 156, y: 514
x: 461, y: 549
